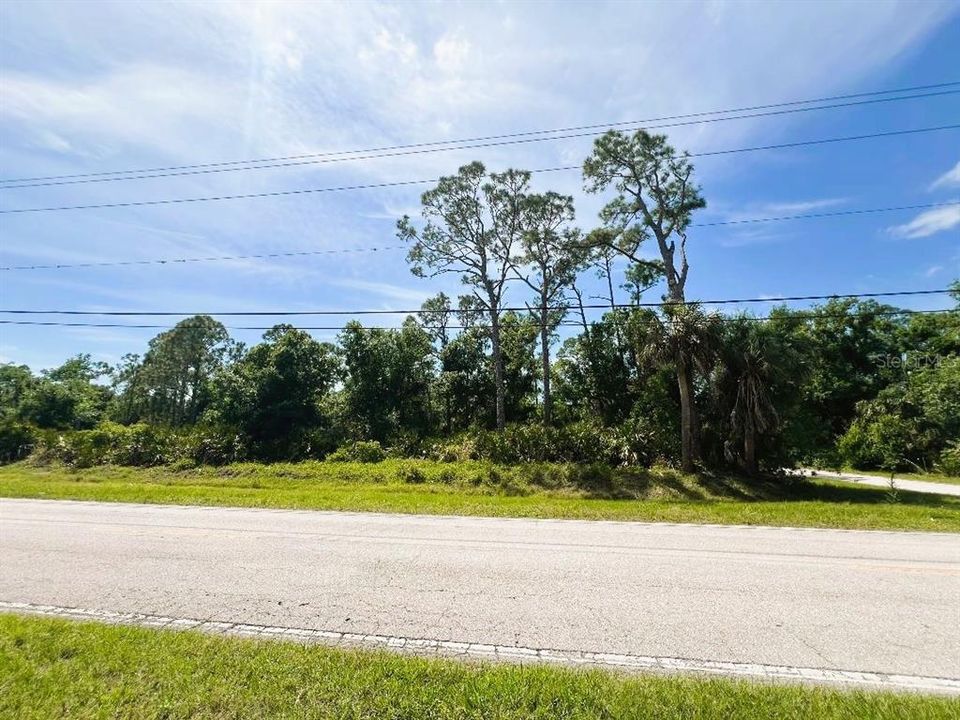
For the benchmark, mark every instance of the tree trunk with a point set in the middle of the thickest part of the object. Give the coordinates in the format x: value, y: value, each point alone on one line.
x: 687, y: 417
x: 497, y: 368
x: 545, y: 360
x: 750, y: 447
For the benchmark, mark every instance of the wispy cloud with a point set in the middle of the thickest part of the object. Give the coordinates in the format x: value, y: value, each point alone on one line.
x: 775, y: 208
x: 797, y: 207
x: 395, y: 292
x: 149, y: 85
x: 749, y: 234
x: 929, y: 223
x: 951, y: 178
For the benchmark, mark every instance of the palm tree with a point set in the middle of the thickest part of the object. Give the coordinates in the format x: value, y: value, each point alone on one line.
x: 752, y: 359
x: 686, y: 338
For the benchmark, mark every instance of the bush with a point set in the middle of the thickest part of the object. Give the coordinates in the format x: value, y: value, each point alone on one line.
x: 581, y: 442
x: 412, y: 475
x: 140, y: 445
x: 949, y: 463
x: 359, y: 451
x: 457, y: 449
x: 909, y: 423
x: 212, y: 446
x: 16, y: 441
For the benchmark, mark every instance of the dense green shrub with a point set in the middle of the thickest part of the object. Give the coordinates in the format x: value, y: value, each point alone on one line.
x: 359, y: 451
x: 580, y: 442
x: 462, y: 447
x: 909, y: 423
x: 16, y: 441
x: 949, y: 463
x: 139, y: 445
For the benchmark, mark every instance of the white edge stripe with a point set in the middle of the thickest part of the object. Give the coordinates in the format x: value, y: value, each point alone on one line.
x: 503, y: 652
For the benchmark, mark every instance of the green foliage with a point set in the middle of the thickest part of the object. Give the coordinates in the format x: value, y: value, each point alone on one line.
x: 275, y: 395
x: 595, y: 373
x: 17, y: 440
x: 465, y: 384
x: 369, y: 451
x: 388, y: 377
x: 949, y: 463
x: 140, y: 445
x: 65, y: 397
x: 755, y: 387
x: 172, y: 384
x: 16, y: 382
x: 655, y: 198
x: 843, y: 349
x: 474, y: 223
x: 580, y: 442
x: 908, y: 424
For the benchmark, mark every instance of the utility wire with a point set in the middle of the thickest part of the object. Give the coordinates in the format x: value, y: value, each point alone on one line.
x: 400, y: 153
x: 366, y: 186
x: 567, y: 323
x: 214, y: 258
x: 807, y: 216
x: 218, y: 258
x: 595, y: 306
x: 486, y: 138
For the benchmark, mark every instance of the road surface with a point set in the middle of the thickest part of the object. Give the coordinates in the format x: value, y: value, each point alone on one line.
x: 743, y: 600
x: 920, y: 486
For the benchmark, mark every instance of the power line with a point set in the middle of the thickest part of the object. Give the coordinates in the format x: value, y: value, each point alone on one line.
x: 201, y: 170
x: 218, y: 258
x: 807, y: 216
x: 595, y: 306
x: 485, y: 138
x: 339, y: 188
x: 214, y: 258
x: 724, y: 318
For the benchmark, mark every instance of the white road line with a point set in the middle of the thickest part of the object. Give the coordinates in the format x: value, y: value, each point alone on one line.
x: 510, y: 653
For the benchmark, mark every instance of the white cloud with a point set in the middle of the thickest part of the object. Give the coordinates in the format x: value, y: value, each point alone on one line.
x: 933, y: 270
x: 152, y: 107
x: 951, y: 178
x: 388, y: 48
x: 415, y: 295
x: 727, y: 210
x: 140, y: 85
x: 797, y: 207
x: 929, y: 223
x: 451, y: 53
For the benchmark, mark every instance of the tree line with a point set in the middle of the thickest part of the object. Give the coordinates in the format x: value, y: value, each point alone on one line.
x: 844, y: 381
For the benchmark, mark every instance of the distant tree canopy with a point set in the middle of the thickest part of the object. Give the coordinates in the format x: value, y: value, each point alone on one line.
x: 840, y: 383
x: 275, y: 393
x: 171, y: 384
x: 847, y: 381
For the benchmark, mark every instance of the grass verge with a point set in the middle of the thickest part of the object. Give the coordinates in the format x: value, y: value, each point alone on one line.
x: 57, y: 668
x: 477, y: 488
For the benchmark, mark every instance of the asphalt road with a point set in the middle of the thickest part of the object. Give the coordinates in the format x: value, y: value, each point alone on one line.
x: 920, y: 486
x: 883, y: 602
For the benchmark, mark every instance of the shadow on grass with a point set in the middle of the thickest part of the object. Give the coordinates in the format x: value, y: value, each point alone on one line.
x: 633, y: 484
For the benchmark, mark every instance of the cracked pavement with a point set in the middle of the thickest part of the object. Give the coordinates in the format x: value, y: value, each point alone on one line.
x: 886, y: 602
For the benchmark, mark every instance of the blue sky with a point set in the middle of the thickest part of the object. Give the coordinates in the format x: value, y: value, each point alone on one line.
x: 87, y: 87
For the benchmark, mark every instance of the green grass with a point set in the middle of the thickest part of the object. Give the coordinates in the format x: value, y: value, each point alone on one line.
x: 55, y: 668
x: 478, y: 488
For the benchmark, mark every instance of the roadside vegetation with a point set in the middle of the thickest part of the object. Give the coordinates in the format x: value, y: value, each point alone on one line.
x: 474, y: 487
x: 56, y: 668
x: 526, y: 365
